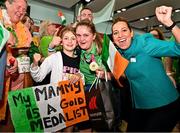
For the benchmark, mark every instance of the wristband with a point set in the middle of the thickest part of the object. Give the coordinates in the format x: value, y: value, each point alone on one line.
x: 51, y: 49
x: 171, y: 27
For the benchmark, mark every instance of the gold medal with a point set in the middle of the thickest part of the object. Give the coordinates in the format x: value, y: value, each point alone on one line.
x: 93, y: 66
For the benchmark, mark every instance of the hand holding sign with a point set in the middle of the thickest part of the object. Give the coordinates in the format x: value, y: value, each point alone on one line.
x: 36, y: 59
x: 75, y: 77
x: 12, y: 64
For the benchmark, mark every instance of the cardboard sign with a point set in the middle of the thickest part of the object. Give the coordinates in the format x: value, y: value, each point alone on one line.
x: 48, y: 108
x: 23, y: 64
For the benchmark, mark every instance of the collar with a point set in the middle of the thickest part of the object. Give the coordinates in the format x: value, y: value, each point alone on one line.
x: 93, y: 51
x: 88, y: 57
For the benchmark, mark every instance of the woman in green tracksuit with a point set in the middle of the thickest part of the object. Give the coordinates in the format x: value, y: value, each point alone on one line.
x: 156, y: 102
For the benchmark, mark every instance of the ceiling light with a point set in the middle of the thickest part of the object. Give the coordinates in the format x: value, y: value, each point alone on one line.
x: 87, y: 0
x: 118, y: 11
x: 123, y: 9
x: 141, y: 19
x: 177, y: 10
x: 146, y: 18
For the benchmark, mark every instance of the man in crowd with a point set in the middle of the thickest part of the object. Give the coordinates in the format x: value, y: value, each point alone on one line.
x: 10, y: 16
x: 85, y: 13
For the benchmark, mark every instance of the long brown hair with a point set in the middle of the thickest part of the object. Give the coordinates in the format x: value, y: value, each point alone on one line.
x: 92, y: 28
x: 121, y: 19
x: 160, y: 33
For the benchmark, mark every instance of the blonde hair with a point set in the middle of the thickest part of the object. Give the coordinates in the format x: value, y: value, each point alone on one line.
x: 43, y: 27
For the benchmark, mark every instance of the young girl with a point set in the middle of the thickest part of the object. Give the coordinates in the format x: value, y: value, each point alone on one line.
x: 62, y: 65
x: 91, y: 44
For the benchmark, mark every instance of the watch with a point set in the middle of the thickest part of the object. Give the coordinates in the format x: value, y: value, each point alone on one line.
x: 171, y: 27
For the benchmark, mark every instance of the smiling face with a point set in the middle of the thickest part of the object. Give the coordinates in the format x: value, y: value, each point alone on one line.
x: 69, y: 42
x: 122, y: 35
x: 85, y: 37
x: 86, y: 14
x: 16, y: 10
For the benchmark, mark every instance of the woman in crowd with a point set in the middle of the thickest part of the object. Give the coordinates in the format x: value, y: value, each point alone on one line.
x: 155, y: 100
x: 157, y: 33
x: 28, y: 22
x: 47, y: 31
x: 91, y: 46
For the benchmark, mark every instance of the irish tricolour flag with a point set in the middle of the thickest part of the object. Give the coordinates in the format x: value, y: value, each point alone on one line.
x: 63, y: 19
x: 48, y: 108
x: 116, y: 63
x: 4, y: 36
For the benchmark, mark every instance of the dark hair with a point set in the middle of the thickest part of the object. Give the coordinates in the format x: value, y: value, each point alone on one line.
x: 160, y: 33
x: 2, y: 3
x: 85, y: 8
x: 121, y: 19
x: 92, y: 28
x: 24, y: 19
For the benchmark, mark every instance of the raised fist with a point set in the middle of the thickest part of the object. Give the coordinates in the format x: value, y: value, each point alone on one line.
x: 163, y: 14
x: 56, y: 41
x: 36, y: 58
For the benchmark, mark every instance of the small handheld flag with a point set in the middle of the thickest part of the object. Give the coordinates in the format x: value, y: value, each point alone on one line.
x: 116, y: 63
x: 63, y: 19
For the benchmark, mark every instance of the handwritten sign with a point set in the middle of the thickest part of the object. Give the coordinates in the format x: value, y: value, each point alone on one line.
x: 23, y: 64
x: 48, y: 108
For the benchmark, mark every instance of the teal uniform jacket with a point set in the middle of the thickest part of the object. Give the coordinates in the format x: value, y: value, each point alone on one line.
x: 150, y: 86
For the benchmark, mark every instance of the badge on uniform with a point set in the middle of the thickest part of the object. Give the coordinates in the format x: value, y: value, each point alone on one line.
x: 133, y: 59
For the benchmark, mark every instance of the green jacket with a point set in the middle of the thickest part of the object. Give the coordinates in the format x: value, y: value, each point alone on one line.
x: 44, y: 44
x: 32, y: 50
x: 150, y: 86
x: 85, y: 62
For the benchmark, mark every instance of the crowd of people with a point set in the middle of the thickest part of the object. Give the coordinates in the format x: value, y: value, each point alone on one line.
x: 65, y: 53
